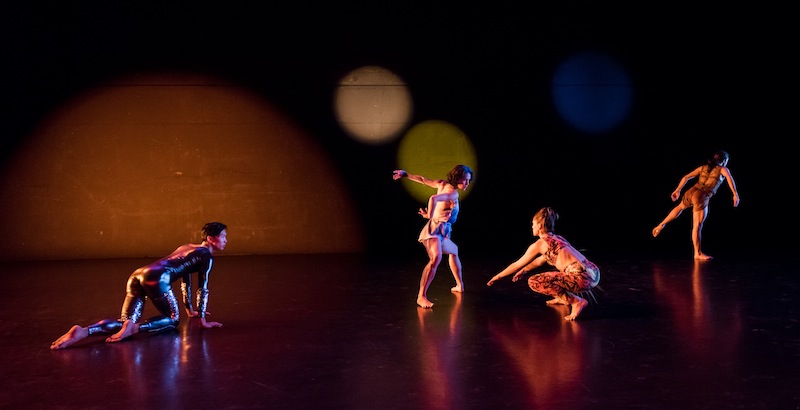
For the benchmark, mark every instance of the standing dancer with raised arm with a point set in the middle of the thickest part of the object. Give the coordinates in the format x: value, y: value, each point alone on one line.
x: 441, y: 213
x: 709, y: 178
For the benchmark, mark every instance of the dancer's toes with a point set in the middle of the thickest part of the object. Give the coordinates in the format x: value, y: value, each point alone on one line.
x: 457, y: 288
x: 577, y: 307
x: 424, y: 302
x: 703, y: 257
x: 128, y: 329
x: 75, y: 334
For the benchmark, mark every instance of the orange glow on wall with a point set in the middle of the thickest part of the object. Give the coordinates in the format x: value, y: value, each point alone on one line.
x: 136, y: 166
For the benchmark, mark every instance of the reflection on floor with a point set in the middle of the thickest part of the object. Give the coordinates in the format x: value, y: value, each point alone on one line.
x: 343, y: 332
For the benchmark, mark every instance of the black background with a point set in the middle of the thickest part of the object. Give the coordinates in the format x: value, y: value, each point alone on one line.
x: 705, y: 78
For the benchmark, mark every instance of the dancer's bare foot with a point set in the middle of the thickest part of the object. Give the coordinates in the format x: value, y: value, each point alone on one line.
x: 208, y: 325
x: 703, y: 257
x: 657, y: 230
x: 577, y: 307
x: 422, y: 301
x: 128, y: 329
x: 555, y: 301
x: 75, y: 334
x: 457, y: 288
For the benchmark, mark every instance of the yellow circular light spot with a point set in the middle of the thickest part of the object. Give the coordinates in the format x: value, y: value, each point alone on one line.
x: 432, y: 148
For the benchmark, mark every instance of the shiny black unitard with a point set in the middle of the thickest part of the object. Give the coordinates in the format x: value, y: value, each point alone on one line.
x: 154, y: 282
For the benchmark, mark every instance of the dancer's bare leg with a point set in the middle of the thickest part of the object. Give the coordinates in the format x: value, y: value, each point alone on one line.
x: 455, y: 267
x: 129, y: 328
x: 75, y: 334
x: 424, y: 282
x: 577, y: 305
x: 434, y: 248
x: 671, y: 216
x: 556, y: 301
x: 698, y: 217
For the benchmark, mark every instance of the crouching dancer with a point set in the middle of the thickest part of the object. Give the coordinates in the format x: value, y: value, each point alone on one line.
x: 574, y: 275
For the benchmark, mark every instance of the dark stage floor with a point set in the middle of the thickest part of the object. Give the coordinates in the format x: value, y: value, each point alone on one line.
x: 343, y: 332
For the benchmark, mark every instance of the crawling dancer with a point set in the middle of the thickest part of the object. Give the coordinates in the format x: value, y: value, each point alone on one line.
x: 154, y: 282
x: 575, y: 274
